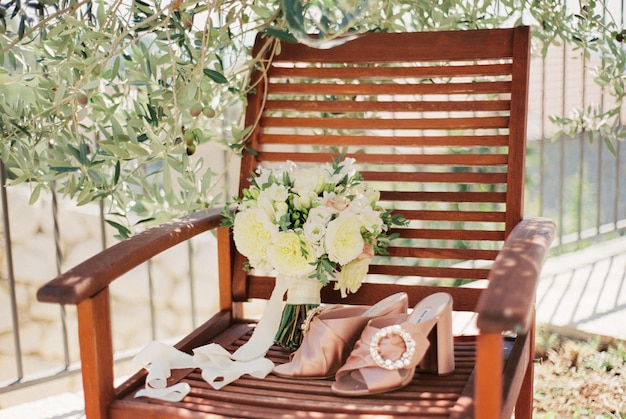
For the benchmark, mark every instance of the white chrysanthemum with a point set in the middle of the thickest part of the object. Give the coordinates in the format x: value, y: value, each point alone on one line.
x: 291, y: 254
x: 351, y: 276
x: 253, y: 233
x: 343, y: 240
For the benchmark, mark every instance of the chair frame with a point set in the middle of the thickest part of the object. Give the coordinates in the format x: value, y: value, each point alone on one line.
x: 503, y: 306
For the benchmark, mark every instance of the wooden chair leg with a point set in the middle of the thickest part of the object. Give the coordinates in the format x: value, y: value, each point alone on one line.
x: 524, y: 405
x: 489, y: 365
x: 96, y: 354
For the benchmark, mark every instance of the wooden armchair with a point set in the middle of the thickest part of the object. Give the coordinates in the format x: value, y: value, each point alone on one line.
x: 436, y: 122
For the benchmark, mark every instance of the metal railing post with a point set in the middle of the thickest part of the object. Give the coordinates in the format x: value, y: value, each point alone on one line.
x: 19, y: 365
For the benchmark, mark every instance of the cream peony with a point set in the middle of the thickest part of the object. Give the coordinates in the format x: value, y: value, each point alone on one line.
x: 287, y: 256
x: 343, y: 240
x: 351, y: 276
x: 254, y: 233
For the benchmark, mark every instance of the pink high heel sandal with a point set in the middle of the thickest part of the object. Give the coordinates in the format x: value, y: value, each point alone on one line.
x: 330, y: 334
x: 391, y: 347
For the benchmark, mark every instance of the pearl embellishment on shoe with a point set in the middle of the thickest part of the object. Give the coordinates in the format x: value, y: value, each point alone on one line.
x: 388, y: 364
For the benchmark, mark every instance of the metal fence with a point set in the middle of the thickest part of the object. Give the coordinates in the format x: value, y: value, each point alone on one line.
x: 578, y: 183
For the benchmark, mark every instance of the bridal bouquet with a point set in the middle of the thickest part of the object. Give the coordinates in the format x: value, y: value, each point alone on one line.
x: 312, y: 224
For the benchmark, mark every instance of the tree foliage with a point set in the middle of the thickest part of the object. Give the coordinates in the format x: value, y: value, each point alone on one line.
x: 114, y: 99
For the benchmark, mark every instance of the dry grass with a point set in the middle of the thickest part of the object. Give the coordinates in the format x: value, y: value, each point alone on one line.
x: 579, y: 379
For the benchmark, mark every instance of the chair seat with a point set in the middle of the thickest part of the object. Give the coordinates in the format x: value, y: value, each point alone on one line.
x: 428, y: 395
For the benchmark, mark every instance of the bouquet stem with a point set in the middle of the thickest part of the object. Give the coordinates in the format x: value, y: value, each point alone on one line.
x: 289, y: 335
x: 303, y: 296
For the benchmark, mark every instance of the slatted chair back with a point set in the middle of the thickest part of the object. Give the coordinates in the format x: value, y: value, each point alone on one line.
x: 436, y: 123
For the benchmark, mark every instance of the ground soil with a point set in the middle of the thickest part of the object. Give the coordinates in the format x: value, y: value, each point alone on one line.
x: 579, y: 378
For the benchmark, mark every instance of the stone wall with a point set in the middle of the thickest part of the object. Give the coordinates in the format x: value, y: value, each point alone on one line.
x: 40, y: 326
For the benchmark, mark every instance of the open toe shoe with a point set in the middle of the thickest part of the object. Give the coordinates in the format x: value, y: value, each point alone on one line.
x: 330, y: 334
x: 391, y: 347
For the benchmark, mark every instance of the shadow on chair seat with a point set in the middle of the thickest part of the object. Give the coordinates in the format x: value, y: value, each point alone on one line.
x: 428, y: 395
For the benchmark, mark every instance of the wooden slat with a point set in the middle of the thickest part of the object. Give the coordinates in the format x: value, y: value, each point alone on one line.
x: 450, y: 46
x: 394, y: 159
x: 442, y: 253
x: 432, y: 177
x: 426, y: 196
x: 379, y: 106
x: 465, y: 298
x: 450, y: 234
x: 395, y: 140
x: 487, y: 122
x: 360, y: 89
x: 441, y: 215
x: 429, y: 272
x: 403, y: 70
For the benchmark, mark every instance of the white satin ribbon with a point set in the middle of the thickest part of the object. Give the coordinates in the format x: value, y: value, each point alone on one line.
x: 219, y: 367
x: 303, y: 290
x: 174, y: 393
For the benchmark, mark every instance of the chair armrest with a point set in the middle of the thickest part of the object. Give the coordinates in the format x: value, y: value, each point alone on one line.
x: 507, y: 304
x: 96, y: 273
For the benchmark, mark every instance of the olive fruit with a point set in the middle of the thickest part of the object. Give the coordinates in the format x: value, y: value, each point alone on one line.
x: 195, y: 110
